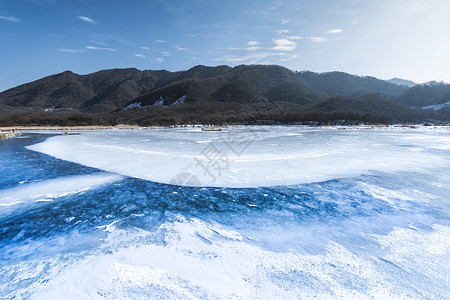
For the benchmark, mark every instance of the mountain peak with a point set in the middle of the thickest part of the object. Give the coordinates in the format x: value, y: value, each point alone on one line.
x: 400, y: 81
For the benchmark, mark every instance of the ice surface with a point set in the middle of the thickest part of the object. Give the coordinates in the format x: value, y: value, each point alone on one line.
x: 198, y: 259
x: 47, y: 190
x: 251, y: 156
x: 383, y: 234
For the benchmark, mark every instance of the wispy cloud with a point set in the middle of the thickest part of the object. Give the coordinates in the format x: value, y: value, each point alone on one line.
x: 97, y: 43
x: 253, y: 46
x: 282, y: 31
x: 318, y: 39
x: 70, y: 50
x: 87, y: 20
x: 284, y: 45
x: 140, y: 55
x: 160, y: 60
x: 100, y: 48
x: 291, y: 57
x: 160, y: 41
x: 145, y: 48
x: 166, y: 53
x: 181, y: 48
x: 285, y: 42
x: 252, y: 58
x: 334, y: 31
x: 10, y: 18
x: 284, y: 21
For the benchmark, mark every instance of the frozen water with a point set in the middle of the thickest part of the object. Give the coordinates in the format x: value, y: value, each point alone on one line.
x: 48, y: 190
x: 250, y: 156
x: 195, y: 260
x: 377, y: 229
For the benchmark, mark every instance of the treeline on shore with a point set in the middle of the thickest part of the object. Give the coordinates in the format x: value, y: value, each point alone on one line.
x: 191, y: 114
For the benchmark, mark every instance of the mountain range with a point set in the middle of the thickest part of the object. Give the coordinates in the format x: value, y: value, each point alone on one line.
x: 221, y: 94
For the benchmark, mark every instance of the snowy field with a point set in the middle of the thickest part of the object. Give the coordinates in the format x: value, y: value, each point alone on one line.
x: 248, y: 212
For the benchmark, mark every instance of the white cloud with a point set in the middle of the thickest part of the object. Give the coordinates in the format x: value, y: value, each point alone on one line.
x: 166, y: 53
x: 70, y: 50
x: 253, y: 43
x: 284, y: 45
x: 160, y: 60
x: 181, y: 48
x: 10, y: 18
x: 253, y: 48
x: 97, y: 43
x: 140, y: 55
x: 160, y: 41
x: 232, y: 48
x: 334, y: 31
x: 253, y: 58
x: 318, y: 39
x: 284, y: 21
x: 100, y: 48
x: 282, y: 31
x: 145, y: 48
x: 282, y: 35
x: 88, y: 20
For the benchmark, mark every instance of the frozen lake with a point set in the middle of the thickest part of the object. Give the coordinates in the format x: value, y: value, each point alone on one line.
x: 248, y: 212
x: 251, y: 156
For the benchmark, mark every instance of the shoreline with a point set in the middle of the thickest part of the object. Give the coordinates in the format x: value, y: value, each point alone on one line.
x: 8, y: 129
x: 90, y: 127
x: 10, y: 134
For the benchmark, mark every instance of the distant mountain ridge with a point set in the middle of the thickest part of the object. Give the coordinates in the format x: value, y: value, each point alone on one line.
x: 426, y: 94
x: 339, y: 84
x: 151, y: 95
x: 399, y: 81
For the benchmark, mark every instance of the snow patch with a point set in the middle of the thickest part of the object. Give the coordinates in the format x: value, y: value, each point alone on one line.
x: 437, y: 106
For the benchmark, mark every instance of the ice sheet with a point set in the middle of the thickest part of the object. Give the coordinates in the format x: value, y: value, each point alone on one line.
x: 384, y: 235
x: 251, y: 156
x: 197, y: 259
x: 48, y: 190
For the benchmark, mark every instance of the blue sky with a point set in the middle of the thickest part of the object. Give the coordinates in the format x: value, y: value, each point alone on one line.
x: 383, y: 38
